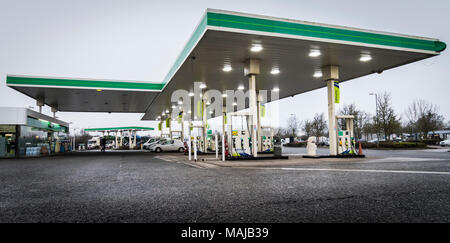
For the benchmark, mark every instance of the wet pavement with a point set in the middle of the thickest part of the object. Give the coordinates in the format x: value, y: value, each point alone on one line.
x: 144, y: 187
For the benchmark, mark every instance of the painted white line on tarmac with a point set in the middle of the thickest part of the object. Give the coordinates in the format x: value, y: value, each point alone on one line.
x: 404, y: 159
x: 364, y: 171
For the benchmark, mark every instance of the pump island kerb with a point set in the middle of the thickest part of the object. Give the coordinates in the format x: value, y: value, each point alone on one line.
x: 253, y: 53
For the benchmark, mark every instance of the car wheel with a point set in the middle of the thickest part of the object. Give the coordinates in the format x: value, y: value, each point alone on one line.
x: 158, y: 150
x: 181, y: 150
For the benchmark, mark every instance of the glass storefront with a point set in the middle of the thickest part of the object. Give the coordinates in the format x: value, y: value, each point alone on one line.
x: 37, y: 138
x: 8, y: 142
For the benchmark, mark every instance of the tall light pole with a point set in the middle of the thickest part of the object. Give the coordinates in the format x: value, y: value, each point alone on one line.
x: 293, y: 134
x: 376, y: 113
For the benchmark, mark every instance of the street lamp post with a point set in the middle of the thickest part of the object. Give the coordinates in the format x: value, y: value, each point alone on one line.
x: 376, y: 114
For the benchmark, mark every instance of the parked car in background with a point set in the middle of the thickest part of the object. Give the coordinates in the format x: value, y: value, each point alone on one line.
x: 376, y: 140
x: 110, y: 144
x: 445, y: 143
x: 151, y: 142
x: 169, y: 145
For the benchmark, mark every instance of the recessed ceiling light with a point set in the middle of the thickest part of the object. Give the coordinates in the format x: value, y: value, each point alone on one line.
x: 191, y: 94
x: 241, y: 87
x: 202, y: 86
x: 210, y: 112
x: 318, y: 74
x: 180, y: 102
x: 275, y: 71
x: 167, y: 111
x: 224, y: 95
x: 227, y: 68
x: 208, y: 102
x: 275, y: 89
x: 173, y: 107
x: 315, y: 53
x: 189, y: 112
x: 365, y: 58
x: 234, y: 104
x: 256, y: 48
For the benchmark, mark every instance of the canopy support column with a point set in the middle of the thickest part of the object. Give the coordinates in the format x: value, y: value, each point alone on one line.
x: 121, y: 138
x: 115, y: 144
x: 258, y: 110
x: 204, y: 123
x: 54, y: 110
x: 170, y: 125
x: 224, y: 121
x: 251, y: 69
x: 161, y: 126
x: 182, y: 126
x: 40, y: 103
x: 331, y: 75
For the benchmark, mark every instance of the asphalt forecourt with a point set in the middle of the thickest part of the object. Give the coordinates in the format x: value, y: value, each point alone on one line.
x: 146, y: 187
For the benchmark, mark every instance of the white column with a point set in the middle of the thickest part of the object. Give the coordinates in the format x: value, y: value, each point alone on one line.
x: 223, y: 131
x: 161, y: 122
x: 182, y: 126
x: 331, y: 74
x: 258, y: 123
x: 204, y: 122
x: 40, y: 103
x: 170, y: 126
x: 230, y: 134
x: 134, y: 141
x: 253, y: 114
x: 115, y: 144
x: 121, y: 138
x: 189, y: 148
x: 130, y: 139
x: 195, y: 148
x: 217, y: 146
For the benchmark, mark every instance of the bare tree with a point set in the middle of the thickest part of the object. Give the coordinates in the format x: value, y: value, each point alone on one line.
x: 423, y: 117
x: 316, y: 127
x: 281, y: 132
x: 386, y: 120
x: 430, y: 121
x: 307, y: 128
x: 361, y: 119
x: 293, y: 125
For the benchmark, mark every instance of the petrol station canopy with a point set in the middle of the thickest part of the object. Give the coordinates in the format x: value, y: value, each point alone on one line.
x: 291, y: 55
x: 115, y: 129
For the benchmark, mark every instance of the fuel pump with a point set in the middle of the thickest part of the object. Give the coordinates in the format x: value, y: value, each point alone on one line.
x: 241, y: 139
x: 266, y: 135
x: 346, y: 140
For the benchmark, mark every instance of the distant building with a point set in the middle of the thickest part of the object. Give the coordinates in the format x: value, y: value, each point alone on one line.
x: 443, y: 134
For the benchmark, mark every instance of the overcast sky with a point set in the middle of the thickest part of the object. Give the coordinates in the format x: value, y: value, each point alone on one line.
x: 140, y: 40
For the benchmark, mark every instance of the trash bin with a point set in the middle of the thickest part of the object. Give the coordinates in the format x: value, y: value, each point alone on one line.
x: 276, y: 146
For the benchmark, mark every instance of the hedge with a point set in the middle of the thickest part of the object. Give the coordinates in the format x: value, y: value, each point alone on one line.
x: 394, y: 145
x: 295, y: 145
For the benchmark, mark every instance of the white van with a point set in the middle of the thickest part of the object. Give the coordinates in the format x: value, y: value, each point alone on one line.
x: 94, y: 143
